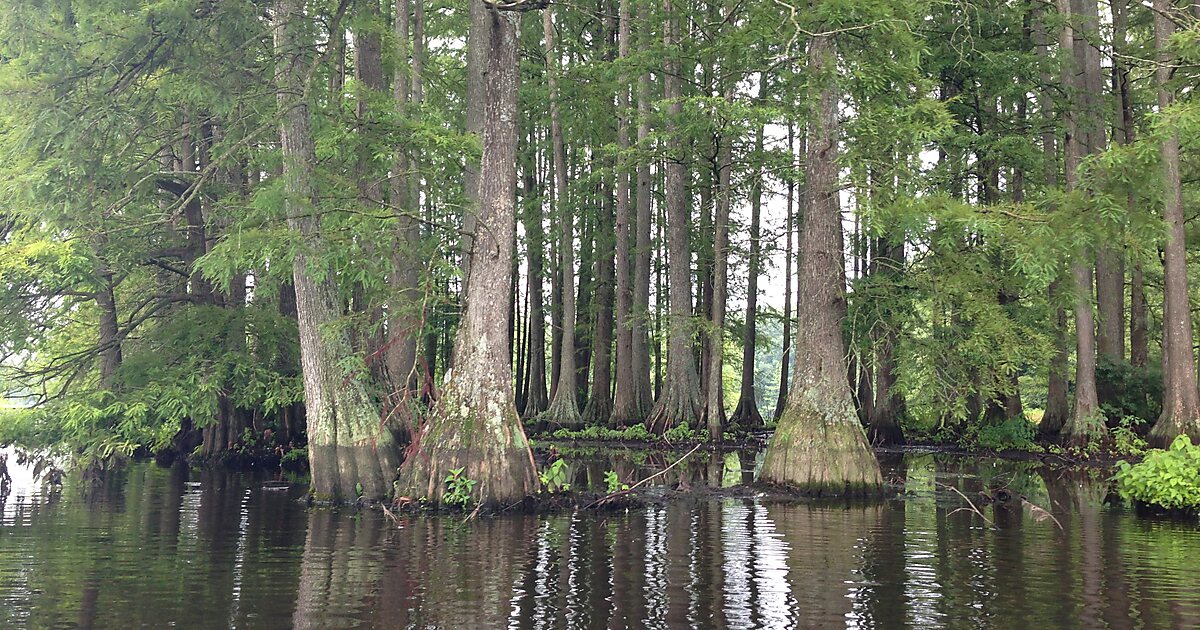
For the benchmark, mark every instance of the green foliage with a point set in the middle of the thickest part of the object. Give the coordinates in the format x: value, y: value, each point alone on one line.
x: 613, y: 482
x: 1126, y: 440
x: 555, y: 478
x: 1132, y: 392
x: 682, y: 433
x: 459, y: 489
x: 1169, y: 479
x: 1013, y: 434
x: 633, y: 433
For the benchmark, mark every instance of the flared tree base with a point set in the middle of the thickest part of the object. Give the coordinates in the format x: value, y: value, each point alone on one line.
x: 561, y: 414
x: 746, y: 415
x: 679, y: 404
x: 1168, y: 428
x: 885, y: 433
x: 597, y: 412
x: 483, y: 438
x: 347, y: 473
x: 1081, y: 430
x: 819, y: 449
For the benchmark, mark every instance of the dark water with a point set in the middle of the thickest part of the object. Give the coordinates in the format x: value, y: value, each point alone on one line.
x: 161, y: 547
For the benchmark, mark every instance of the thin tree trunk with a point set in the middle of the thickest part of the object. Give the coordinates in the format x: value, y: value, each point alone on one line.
x: 404, y: 316
x: 643, y: 393
x: 1057, y: 404
x: 883, y: 425
x: 1181, y: 407
x: 626, y: 409
x: 679, y: 401
x: 789, y: 222
x: 819, y: 445
x: 474, y: 423
x: 350, y: 451
x: 714, y: 408
x: 564, y: 405
x: 600, y: 403
x: 1084, y: 424
x: 746, y: 414
x: 536, y: 399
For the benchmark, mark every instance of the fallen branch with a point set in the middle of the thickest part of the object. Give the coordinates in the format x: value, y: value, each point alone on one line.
x: 619, y: 493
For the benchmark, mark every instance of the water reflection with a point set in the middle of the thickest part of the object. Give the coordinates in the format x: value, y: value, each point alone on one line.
x: 158, y: 547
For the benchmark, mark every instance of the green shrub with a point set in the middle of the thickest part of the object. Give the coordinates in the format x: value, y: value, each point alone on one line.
x: 554, y: 478
x: 1012, y: 434
x: 1168, y: 479
x: 458, y: 489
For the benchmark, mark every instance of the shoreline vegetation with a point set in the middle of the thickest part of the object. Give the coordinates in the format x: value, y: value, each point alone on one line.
x: 413, y: 248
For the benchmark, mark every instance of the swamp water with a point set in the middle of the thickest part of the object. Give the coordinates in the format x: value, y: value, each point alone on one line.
x: 157, y: 547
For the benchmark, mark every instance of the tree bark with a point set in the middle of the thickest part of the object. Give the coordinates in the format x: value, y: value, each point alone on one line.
x: 679, y: 401
x: 1057, y: 405
x: 1181, y: 407
x: 474, y: 423
x: 351, y: 453
x: 536, y: 398
x: 883, y: 425
x: 626, y: 409
x: 600, y: 403
x: 643, y: 393
x: 478, y: 46
x: 714, y: 407
x: 564, y: 405
x: 819, y: 445
x: 404, y: 316
x: 746, y: 414
x: 789, y: 222
x: 1085, y: 423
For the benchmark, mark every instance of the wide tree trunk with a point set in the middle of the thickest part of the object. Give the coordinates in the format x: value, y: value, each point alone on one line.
x: 1085, y: 423
x: 819, y: 445
x: 746, y: 414
x: 478, y: 46
x: 1181, y: 408
x: 564, y: 404
x: 351, y: 452
x: 679, y: 401
x: 474, y: 423
x: 626, y: 409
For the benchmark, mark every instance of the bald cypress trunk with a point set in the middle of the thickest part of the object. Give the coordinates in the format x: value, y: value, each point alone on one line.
x: 564, y: 406
x: 536, y: 397
x: 1057, y: 405
x: 746, y: 414
x: 404, y: 316
x: 789, y: 223
x: 626, y: 409
x: 474, y: 423
x: 819, y: 445
x: 679, y: 401
x: 640, y: 315
x: 1181, y: 409
x: 1085, y: 423
x: 351, y: 452
x: 714, y: 407
x: 883, y: 424
x: 600, y: 402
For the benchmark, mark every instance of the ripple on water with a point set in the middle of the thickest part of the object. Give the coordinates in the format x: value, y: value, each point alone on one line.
x: 159, y: 547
